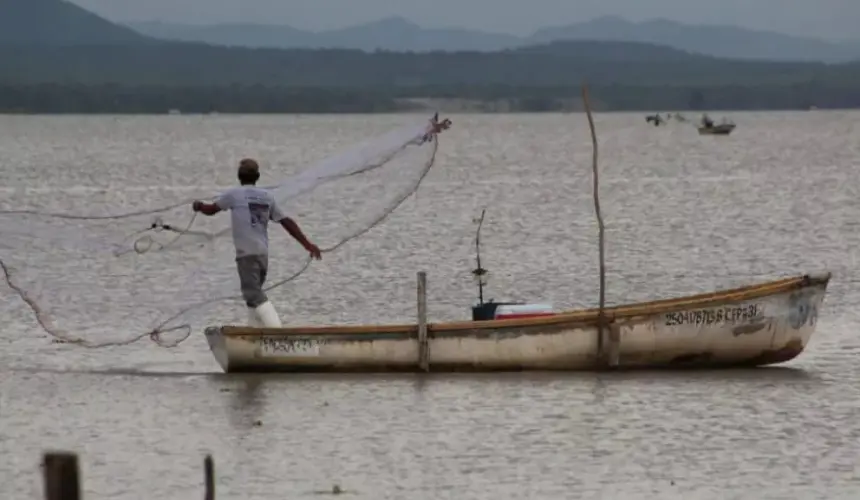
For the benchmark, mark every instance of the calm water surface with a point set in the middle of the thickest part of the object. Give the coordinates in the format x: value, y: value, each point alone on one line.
x: 684, y: 214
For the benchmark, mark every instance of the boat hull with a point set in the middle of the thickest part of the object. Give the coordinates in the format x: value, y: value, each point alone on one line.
x: 758, y: 325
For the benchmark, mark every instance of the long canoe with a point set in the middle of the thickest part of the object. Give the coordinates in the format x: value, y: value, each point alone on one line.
x: 761, y: 324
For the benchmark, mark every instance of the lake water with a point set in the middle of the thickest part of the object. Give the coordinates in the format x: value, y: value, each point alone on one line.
x: 684, y: 214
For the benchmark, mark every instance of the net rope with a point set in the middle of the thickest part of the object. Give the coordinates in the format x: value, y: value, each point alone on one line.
x: 365, y: 158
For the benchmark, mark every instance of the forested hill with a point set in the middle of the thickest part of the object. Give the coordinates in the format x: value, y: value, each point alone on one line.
x: 557, y: 64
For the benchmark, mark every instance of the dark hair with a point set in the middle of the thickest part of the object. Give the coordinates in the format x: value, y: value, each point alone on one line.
x: 249, y: 171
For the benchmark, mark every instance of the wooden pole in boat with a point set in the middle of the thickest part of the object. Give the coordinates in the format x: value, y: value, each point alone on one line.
x: 602, y: 351
x: 423, y: 344
x: 209, y: 475
x: 479, y: 272
x: 61, y: 476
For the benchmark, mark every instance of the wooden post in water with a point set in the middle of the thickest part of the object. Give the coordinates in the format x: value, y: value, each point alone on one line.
x: 61, y: 476
x: 423, y: 344
x: 607, y: 341
x: 209, y: 472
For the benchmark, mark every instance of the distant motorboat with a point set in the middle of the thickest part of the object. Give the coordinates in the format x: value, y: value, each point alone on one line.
x: 708, y: 127
x: 721, y: 129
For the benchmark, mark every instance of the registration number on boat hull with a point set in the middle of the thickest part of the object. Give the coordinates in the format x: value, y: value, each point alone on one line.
x: 285, y: 347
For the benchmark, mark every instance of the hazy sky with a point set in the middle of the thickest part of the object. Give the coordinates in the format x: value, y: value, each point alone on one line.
x: 823, y: 18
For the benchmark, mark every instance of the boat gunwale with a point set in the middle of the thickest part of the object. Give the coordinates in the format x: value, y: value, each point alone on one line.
x: 580, y: 316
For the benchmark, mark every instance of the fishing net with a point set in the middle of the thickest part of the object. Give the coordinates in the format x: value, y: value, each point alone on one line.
x: 145, y: 260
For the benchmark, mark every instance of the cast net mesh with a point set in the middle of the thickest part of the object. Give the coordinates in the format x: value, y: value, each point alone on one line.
x: 145, y: 260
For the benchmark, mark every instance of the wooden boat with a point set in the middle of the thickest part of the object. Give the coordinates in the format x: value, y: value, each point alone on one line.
x: 760, y: 324
x: 756, y: 325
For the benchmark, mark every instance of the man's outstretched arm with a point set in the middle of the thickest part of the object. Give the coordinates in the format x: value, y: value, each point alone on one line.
x: 223, y: 202
x: 295, y: 231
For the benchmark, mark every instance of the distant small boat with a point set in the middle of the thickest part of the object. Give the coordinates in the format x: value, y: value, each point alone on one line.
x: 708, y: 127
x: 721, y: 129
x: 657, y: 120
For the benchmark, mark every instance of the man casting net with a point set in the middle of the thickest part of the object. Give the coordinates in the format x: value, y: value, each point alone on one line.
x: 101, y: 263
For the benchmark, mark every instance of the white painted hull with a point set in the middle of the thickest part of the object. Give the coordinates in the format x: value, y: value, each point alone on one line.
x: 764, y: 324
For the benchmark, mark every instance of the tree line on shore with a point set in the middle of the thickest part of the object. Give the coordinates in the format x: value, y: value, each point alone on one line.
x: 198, y: 78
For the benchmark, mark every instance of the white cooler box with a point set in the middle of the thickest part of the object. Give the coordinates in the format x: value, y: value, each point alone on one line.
x: 524, y: 311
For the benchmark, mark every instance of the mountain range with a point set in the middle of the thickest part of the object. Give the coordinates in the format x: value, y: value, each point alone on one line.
x: 401, y: 35
x: 60, y: 22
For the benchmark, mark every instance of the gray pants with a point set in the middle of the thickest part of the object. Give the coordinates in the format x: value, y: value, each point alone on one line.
x: 252, y: 274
